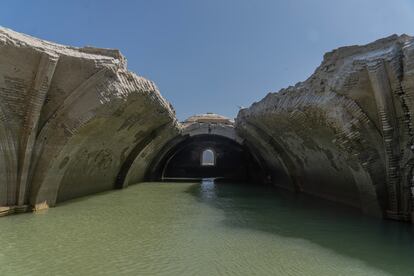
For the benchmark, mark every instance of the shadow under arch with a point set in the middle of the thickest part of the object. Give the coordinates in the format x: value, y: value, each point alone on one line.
x: 181, y: 159
x: 8, y: 162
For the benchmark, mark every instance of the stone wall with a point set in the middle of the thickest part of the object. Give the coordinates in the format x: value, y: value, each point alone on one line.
x: 345, y: 133
x: 75, y: 121
x: 69, y: 119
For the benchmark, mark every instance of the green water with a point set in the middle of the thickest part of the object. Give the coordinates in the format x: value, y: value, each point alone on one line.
x: 203, y: 229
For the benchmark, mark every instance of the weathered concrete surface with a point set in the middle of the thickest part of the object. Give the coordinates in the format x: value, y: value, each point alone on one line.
x: 69, y: 118
x: 346, y: 133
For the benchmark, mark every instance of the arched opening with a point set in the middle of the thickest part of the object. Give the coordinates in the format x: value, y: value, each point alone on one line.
x: 208, y: 157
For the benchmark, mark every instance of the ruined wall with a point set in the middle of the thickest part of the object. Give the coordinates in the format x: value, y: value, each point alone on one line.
x: 344, y: 134
x: 69, y: 119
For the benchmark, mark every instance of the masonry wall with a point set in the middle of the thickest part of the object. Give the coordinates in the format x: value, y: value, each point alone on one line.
x: 69, y: 118
x: 344, y: 134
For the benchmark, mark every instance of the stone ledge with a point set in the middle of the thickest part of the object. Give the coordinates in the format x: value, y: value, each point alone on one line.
x: 9, y: 210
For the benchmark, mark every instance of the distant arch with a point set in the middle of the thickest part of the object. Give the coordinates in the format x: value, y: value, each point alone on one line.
x: 183, y: 159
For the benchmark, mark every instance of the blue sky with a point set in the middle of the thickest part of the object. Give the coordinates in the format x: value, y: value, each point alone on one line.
x: 214, y: 55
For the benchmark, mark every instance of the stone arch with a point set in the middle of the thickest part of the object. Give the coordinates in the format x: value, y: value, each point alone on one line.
x: 8, y: 163
x: 200, y: 128
x: 234, y: 161
x: 337, y: 141
x: 96, y: 138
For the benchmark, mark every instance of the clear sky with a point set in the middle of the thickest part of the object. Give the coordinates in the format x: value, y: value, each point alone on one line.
x: 214, y: 55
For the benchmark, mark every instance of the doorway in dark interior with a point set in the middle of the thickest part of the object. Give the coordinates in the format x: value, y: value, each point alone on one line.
x: 208, y: 157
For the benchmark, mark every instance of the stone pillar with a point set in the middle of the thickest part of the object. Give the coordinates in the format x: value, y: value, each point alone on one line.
x: 389, y: 127
x: 34, y: 103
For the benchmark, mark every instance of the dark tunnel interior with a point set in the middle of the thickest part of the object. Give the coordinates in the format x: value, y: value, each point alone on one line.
x: 209, y: 156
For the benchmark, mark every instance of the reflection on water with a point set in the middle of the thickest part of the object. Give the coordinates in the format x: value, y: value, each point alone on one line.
x: 208, y: 189
x: 386, y: 245
x: 203, y: 229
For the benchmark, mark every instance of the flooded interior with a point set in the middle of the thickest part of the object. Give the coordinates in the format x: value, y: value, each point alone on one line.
x: 203, y: 228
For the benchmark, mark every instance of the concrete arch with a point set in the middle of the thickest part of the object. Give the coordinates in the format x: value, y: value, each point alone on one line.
x: 139, y: 149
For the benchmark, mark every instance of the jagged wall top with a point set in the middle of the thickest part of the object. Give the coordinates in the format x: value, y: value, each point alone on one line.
x: 108, y: 56
x: 338, y: 64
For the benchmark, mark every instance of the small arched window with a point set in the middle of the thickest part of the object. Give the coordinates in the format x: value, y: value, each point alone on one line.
x: 208, y: 158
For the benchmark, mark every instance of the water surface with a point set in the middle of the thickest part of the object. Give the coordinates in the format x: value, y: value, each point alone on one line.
x: 203, y: 229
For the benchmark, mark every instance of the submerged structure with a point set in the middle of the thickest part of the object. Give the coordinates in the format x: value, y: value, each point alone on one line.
x: 75, y: 121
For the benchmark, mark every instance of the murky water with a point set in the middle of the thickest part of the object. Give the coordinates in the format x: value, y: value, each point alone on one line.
x: 203, y: 229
